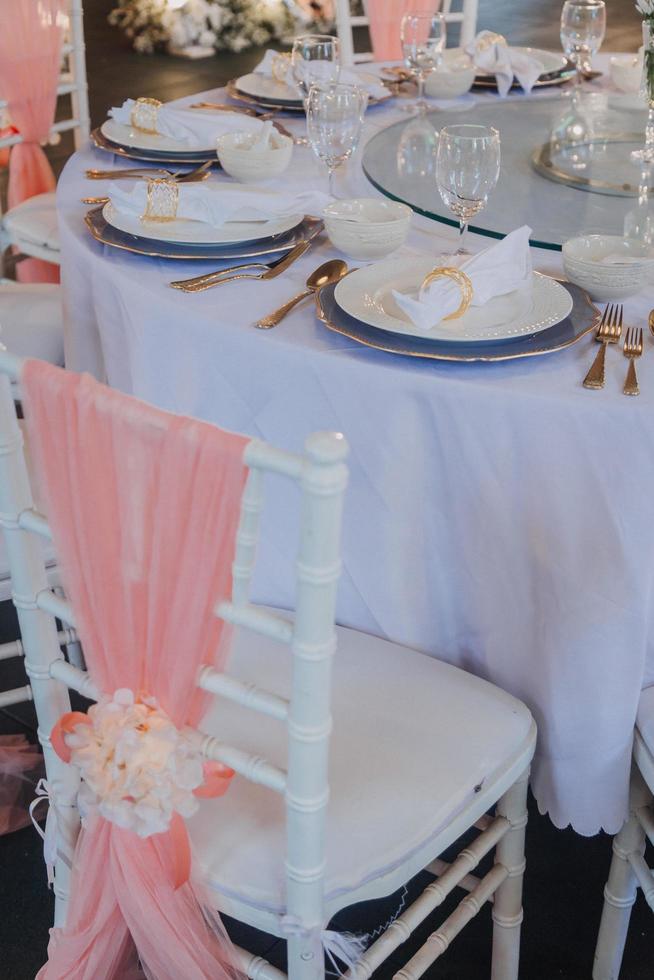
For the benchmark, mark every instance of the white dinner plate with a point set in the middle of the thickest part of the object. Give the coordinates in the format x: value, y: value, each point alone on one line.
x: 197, y: 232
x: 550, y: 60
x: 367, y: 295
x: 134, y: 139
x: 267, y: 89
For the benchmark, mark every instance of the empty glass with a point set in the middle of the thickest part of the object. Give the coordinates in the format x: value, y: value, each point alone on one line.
x: 334, y: 121
x: 423, y: 37
x: 583, y: 25
x: 315, y: 58
x: 467, y: 170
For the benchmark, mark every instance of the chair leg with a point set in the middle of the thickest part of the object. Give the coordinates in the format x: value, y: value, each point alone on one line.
x: 621, y: 887
x: 507, y: 904
x: 306, y: 957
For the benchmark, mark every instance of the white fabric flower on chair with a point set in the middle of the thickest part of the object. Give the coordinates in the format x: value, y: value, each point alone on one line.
x: 137, y: 768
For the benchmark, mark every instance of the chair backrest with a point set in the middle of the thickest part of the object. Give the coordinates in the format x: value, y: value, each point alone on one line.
x: 72, y: 90
x: 461, y: 12
x: 321, y: 474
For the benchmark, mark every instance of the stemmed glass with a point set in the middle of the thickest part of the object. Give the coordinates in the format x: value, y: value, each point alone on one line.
x: 334, y: 121
x: 315, y: 58
x: 423, y: 37
x: 583, y: 25
x: 467, y: 170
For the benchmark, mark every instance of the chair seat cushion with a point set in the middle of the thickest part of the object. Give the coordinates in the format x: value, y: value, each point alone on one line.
x: 31, y: 320
x: 414, y: 740
x: 35, y: 221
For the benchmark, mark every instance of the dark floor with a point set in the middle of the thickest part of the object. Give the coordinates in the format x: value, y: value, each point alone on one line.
x: 566, y: 873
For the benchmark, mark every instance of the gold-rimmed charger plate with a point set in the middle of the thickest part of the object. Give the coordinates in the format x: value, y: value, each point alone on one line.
x: 105, y: 233
x: 102, y: 143
x: 234, y: 93
x: 581, y: 321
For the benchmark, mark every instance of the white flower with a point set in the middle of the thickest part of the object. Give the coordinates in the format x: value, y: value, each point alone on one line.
x: 137, y: 768
x: 646, y: 7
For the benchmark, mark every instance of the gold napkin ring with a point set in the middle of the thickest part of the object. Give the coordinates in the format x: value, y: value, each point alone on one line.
x: 144, y: 115
x: 462, y: 281
x: 162, y: 200
x: 279, y: 67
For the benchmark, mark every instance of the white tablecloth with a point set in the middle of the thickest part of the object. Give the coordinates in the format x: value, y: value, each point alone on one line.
x: 497, y: 514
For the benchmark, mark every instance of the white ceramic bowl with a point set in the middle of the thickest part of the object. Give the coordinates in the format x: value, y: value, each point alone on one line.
x: 629, y: 270
x: 453, y: 78
x: 365, y: 228
x: 626, y: 71
x: 241, y: 160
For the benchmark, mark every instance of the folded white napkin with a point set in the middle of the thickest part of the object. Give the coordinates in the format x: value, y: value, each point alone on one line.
x: 193, y: 127
x: 346, y: 76
x: 216, y: 203
x: 491, y: 53
x: 498, y: 270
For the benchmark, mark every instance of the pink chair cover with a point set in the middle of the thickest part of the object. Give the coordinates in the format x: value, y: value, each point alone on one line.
x: 385, y: 17
x: 21, y: 767
x: 30, y: 52
x: 144, y: 508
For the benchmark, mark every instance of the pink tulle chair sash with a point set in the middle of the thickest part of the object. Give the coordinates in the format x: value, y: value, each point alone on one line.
x: 21, y: 766
x: 31, y: 33
x: 385, y: 17
x: 144, y: 509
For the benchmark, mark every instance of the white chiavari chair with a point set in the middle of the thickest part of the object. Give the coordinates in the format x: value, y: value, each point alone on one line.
x: 629, y: 870
x: 350, y: 784
x: 457, y: 12
x: 32, y: 225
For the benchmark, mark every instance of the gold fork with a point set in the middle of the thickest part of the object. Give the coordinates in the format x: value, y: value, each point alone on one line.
x: 198, y: 173
x: 633, y: 348
x: 608, y: 332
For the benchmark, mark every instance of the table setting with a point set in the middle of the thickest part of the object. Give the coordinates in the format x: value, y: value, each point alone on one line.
x: 438, y: 299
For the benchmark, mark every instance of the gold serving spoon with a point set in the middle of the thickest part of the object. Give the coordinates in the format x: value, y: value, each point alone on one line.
x: 651, y: 323
x: 324, y: 275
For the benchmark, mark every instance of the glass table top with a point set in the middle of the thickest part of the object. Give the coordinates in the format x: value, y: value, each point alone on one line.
x: 400, y: 162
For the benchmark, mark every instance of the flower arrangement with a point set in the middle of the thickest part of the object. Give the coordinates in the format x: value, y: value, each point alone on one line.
x: 137, y: 769
x: 646, y: 8
x: 231, y: 25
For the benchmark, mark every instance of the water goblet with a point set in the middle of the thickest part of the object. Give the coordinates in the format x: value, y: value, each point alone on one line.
x: 423, y: 35
x: 467, y: 170
x: 583, y: 25
x: 334, y: 121
x: 314, y: 58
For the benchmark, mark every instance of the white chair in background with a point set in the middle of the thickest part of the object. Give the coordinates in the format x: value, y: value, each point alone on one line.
x: 463, y: 14
x: 32, y: 225
x: 629, y: 870
x: 319, y: 820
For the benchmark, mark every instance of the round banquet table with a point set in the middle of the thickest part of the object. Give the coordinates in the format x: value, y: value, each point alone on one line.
x: 496, y: 514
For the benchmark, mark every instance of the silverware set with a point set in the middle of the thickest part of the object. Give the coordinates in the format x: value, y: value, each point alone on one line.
x: 140, y: 173
x: 609, y: 331
x: 247, y: 271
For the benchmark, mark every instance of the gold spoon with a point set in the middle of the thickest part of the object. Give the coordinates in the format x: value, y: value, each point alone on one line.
x: 324, y: 275
x: 651, y: 323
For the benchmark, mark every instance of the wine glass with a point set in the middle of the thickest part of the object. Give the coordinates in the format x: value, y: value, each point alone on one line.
x: 314, y: 58
x: 334, y: 121
x: 583, y: 25
x: 467, y: 170
x: 423, y: 37
x: 416, y: 151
